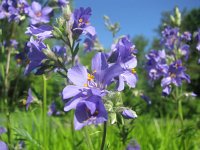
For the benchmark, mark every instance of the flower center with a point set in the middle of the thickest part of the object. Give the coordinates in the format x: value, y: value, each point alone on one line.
x: 19, y: 60
x: 39, y: 14
x: 80, y: 20
x: 90, y: 77
x: 96, y: 113
x: 133, y: 71
x: 173, y: 75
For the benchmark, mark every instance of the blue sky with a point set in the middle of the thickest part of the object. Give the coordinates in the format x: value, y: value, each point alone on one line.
x: 136, y: 17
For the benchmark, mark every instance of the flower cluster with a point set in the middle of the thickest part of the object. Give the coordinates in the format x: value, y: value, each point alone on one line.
x: 175, y: 42
x: 156, y: 65
x: 17, y: 10
x: 167, y: 63
x: 13, y: 10
x: 90, y: 87
x: 175, y: 74
x: 87, y: 90
x: 42, y: 58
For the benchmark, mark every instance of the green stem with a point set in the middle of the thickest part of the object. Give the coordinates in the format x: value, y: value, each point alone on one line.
x: 6, y: 96
x: 44, y: 112
x: 89, y: 142
x: 180, y: 114
x: 104, y: 135
x: 180, y: 111
x: 15, y: 94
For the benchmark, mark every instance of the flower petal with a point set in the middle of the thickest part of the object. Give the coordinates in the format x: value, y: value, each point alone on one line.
x: 78, y: 75
x: 70, y: 91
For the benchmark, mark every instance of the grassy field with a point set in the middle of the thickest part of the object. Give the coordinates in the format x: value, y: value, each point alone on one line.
x: 149, y: 132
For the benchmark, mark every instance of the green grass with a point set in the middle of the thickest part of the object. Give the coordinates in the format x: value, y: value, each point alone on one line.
x: 149, y: 132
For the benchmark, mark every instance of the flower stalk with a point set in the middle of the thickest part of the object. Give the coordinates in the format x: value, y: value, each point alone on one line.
x: 88, y: 139
x: 44, y: 111
x: 6, y: 84
x: 104, y: 135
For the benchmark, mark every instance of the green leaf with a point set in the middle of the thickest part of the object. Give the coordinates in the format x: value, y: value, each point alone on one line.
x: 113, y: 118
x: 75, y: 52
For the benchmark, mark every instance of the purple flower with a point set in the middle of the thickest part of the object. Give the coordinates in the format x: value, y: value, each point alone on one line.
x: 63, y: 3
x: 35, y: 56
x: 23, y: 6
x: 13, y: 43
x: 185, y: 51
x: 80, y: 22
x: 20, y: 58
x: 39, y: 14
x: 59, y: 51
x: 133, y: 146
x: 2, y: 130
x: 170, y: 37
x: 89, y: 43
x: 4, y: 10
x: 186, y: 36
x: 53, y: 110
x: 145, y: 98
x: 173, y: 40
x: 191, y: 94
x: 124, y: 52
x: 129, y: 114
x: 90, y: 111
x: 13, y: 10
x: 3, y: 145
x: 21, y: 145
x: 88, y: 90
x: 156, y: 65
x: 42, y: 32
x: 29, y: 99
x: 176, y: 74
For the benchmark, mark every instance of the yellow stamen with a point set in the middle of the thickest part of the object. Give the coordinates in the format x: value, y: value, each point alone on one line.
x: 173, y: 75
x: 80, y: 20
x: 96, y: 113
x: 19, y: 60
x: 38, y: 14
x: 133, y: 71
x: 90, y: 77
x: 85, y: 85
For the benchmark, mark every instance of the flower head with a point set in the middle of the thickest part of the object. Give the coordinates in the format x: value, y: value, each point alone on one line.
x: 53, y: 110
x: 42, y: 32
x: 39, y: 14
x: 175, y: 75
x: 156, y: 65
x: 29, y: 99
x: 170, y: 37
x: 90, y: 111
x: 3, y: 145
x: 124, y: 53
x: 129, y: 114
x: 133, y: 146
x: 80, y: 22
x: 2, y: 130
x: 63, y: 3
x: 13, y: 10
x: 88, y: 90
